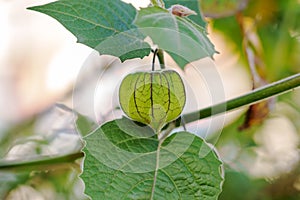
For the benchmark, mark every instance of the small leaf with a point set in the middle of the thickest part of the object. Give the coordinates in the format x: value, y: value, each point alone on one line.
x: 183, y: 39
x: 84, y: 124
x: 106, y: 26
x: 154, y: 98
x: 120, y: 163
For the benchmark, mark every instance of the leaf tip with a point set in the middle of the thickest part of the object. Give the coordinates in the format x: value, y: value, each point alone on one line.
x: 35, y: 8
x: 31, y: 8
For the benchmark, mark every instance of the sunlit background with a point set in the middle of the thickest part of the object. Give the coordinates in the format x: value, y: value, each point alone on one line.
x: 41, y: 63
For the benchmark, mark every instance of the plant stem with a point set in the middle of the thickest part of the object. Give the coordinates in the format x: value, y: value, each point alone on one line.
x: 153, y: 60
x: 161, y: 140
x: 156, y: 169
x: 161, y: 59
x: 159, y: 3
x: 252, y: 97
x: 44, y: 162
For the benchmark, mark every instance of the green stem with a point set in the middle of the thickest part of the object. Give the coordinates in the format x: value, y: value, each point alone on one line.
x: 156, y: 169
x: 159, y: 3
x: 161, y: 59
x: 252, y: 97
x: 44, y: 162
x: 153, y: 60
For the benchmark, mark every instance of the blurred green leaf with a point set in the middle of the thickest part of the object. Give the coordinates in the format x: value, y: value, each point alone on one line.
x: 277, y: 33
x: 278, y: 29
x: 10, y: 180
x: 232, y: 134
x: 222, y: 8
x: 240, y: 186
x: 229, y: 28
x: 24, y: 130
x: 106, y: 26
x: 121, y: 162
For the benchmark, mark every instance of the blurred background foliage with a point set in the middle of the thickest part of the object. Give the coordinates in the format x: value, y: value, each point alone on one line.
x: 258, y: 42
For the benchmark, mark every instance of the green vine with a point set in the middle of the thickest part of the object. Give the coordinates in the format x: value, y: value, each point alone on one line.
x: 263, y: 93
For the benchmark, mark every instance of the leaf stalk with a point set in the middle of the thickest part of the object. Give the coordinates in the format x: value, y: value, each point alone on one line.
x: 161, y: 59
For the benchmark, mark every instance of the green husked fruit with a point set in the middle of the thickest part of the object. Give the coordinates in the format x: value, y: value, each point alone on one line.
x: 154, y: 98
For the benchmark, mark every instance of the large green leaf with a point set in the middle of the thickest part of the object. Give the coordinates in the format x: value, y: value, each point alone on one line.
x: 106, y: 26
x: 183, y: 39
x: 126, y: 161
x: 191, y: 4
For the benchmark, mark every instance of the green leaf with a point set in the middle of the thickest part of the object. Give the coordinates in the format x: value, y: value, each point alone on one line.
x: 84, y: 124
x: 154, y: 98
x: 106, y: 26
x: 241, y: 186
x: 222, y: 8
x: 125, y: 161
x: 183, y: 39
x: 191, y: 4
x: 10, y: 180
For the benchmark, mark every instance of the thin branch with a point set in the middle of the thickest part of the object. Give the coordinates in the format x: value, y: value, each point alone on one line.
x: 45, y: 162
x: 250, y: 98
